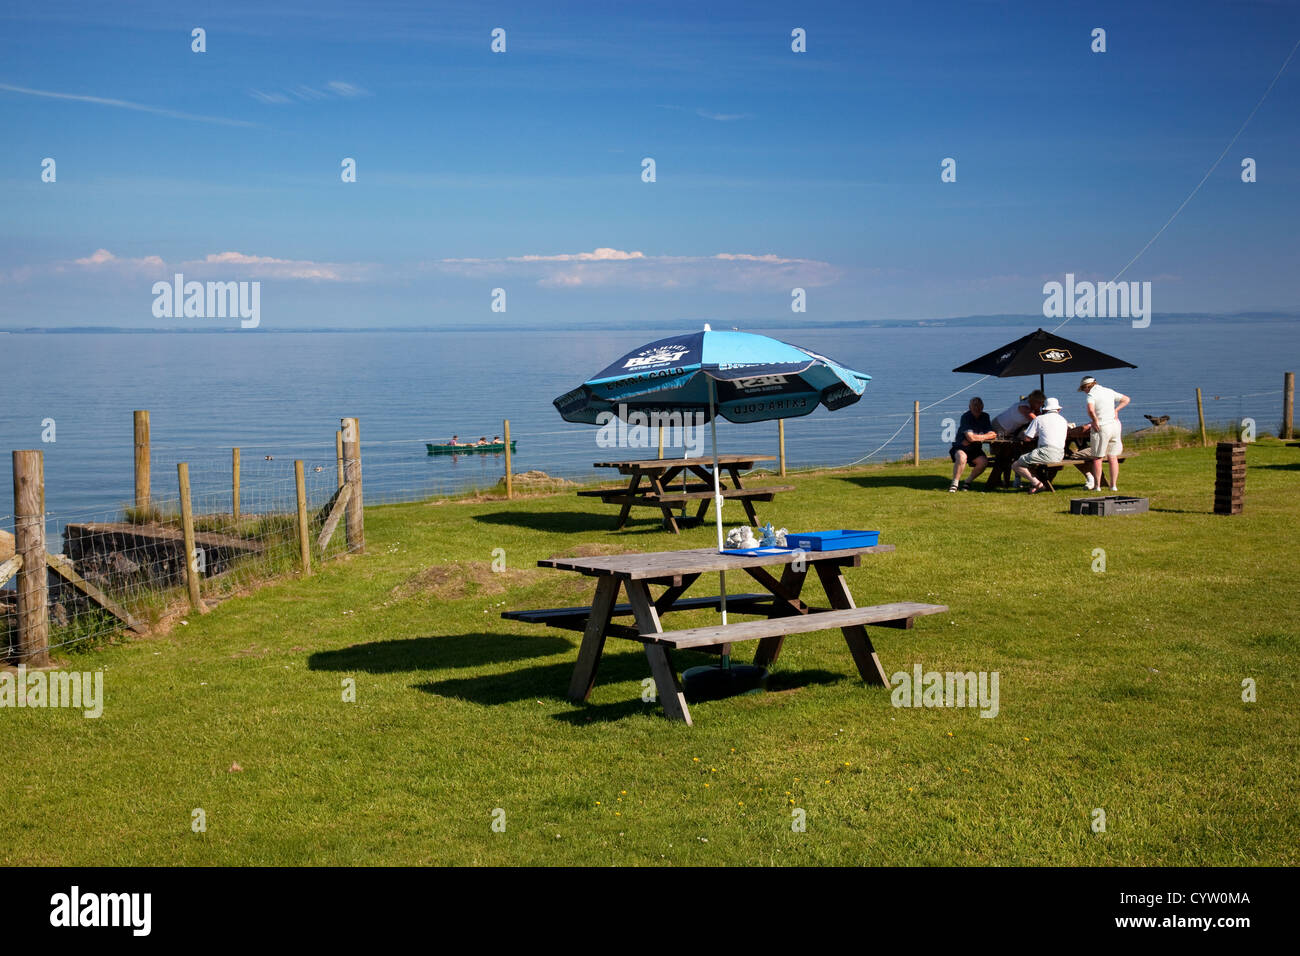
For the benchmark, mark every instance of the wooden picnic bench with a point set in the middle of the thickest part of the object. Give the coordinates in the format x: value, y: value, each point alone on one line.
x: 1007, y: 450
x: 780, y: 601
x: 660, y: 492
x: 1047, y: 473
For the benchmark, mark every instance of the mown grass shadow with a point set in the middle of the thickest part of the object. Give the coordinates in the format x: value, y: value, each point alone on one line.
x: 1289, y: 466
x: 538, y: 682
x: 437, y: 653
x: 580, y: 714
x: 919, y: 482
x: 571, y: 522
x: 779, y: 681
x: 793, y: 680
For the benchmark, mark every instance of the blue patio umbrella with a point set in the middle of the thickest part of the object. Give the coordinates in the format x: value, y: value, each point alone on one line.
x: 740, y: 376
x: 744, y: 376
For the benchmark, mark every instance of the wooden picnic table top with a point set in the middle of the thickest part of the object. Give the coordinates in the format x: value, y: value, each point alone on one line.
x: 663, y: 464
x: 662, y: 564
x: 1014, y: 441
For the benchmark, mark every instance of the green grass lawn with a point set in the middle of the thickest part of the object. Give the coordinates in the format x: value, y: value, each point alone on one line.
x: 1119, y: 690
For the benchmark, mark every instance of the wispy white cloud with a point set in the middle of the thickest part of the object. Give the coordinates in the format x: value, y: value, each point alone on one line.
x: 707, y: 114
x: 346, y: 90
x: 124, y: 104
x: 223, y: 265
x: 334, y: 89
x: 103, y: 259
x: 269, y: 267
x: 722, y: 117
x: 603, y: 254
x: 268, y: 97
x: 607, y: 267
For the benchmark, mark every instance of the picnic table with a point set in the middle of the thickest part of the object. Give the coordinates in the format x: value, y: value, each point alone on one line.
x: 1005, y: 451
x: 780, y: 602
x: 659, y: 491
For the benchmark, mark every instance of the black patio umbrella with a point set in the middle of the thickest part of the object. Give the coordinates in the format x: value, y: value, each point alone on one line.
x: 1038, y: 353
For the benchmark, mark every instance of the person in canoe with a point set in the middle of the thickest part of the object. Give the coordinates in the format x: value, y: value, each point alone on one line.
x: 482, y: 440
x: 455, y: 440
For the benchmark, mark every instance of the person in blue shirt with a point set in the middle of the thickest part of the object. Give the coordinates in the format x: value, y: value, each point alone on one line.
x: 973, y: 430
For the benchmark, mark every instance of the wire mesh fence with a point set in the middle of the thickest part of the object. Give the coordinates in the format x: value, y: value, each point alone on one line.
x: 125, y: 567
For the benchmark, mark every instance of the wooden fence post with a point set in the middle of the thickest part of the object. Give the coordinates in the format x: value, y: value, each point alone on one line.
x: 234, y: 484
x: 187, y: 527
x: 1288, y: 405
x: 780, y: 434
x: 304, y: 547
x: 142, y: 490
x: 29, y: 544
x: 1200, y: 415
x: 510, y: 480
x: 354, y: 525
x: 916, y: 434
x: 338, y: 454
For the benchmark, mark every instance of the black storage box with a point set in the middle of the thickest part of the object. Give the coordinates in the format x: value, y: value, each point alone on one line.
x: 1110, y: 505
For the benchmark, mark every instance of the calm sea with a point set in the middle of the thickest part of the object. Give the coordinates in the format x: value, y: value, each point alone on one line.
x: 281, y: 395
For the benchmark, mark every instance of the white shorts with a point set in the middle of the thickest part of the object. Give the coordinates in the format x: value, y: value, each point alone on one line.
x: 1105, y: 441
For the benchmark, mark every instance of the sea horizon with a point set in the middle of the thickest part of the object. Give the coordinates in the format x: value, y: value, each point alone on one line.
x: 1027, y: 319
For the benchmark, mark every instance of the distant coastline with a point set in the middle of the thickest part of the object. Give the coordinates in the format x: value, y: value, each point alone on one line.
x: 967, y: 320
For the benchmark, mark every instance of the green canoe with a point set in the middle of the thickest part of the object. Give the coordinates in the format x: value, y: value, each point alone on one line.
x: 493, y: 447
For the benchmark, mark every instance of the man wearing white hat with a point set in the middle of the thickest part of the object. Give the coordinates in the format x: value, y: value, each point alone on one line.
x: 1104, y: 406
x: 1050, y: 428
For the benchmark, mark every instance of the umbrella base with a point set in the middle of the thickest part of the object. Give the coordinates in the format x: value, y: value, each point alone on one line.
x: 715, y: 683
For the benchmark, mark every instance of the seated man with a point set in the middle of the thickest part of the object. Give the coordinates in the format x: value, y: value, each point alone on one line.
x: 1009, y: 422
x: 1050, y: 428
x: 973, y: 430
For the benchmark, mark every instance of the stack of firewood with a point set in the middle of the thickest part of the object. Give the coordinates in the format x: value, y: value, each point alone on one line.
x: 1230, y: 477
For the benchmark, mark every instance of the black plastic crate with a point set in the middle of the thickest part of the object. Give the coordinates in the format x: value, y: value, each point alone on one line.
x: 1110, y: 505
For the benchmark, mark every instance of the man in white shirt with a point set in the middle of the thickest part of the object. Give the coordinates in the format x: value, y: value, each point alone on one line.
x: 1104, y: 406
x: 1050, y: 428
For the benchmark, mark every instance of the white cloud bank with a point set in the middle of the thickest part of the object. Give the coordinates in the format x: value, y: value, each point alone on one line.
x: 218, y: 265
x: 602, y: 267
x: 607, y: 267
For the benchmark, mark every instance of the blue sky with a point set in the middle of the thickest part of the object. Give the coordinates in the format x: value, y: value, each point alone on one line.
x: 522, y: 170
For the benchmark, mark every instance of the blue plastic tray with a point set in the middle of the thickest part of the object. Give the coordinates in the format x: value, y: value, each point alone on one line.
x: 833, y: 540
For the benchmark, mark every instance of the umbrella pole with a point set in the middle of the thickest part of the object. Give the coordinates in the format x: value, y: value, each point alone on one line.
x: 717, y: 508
